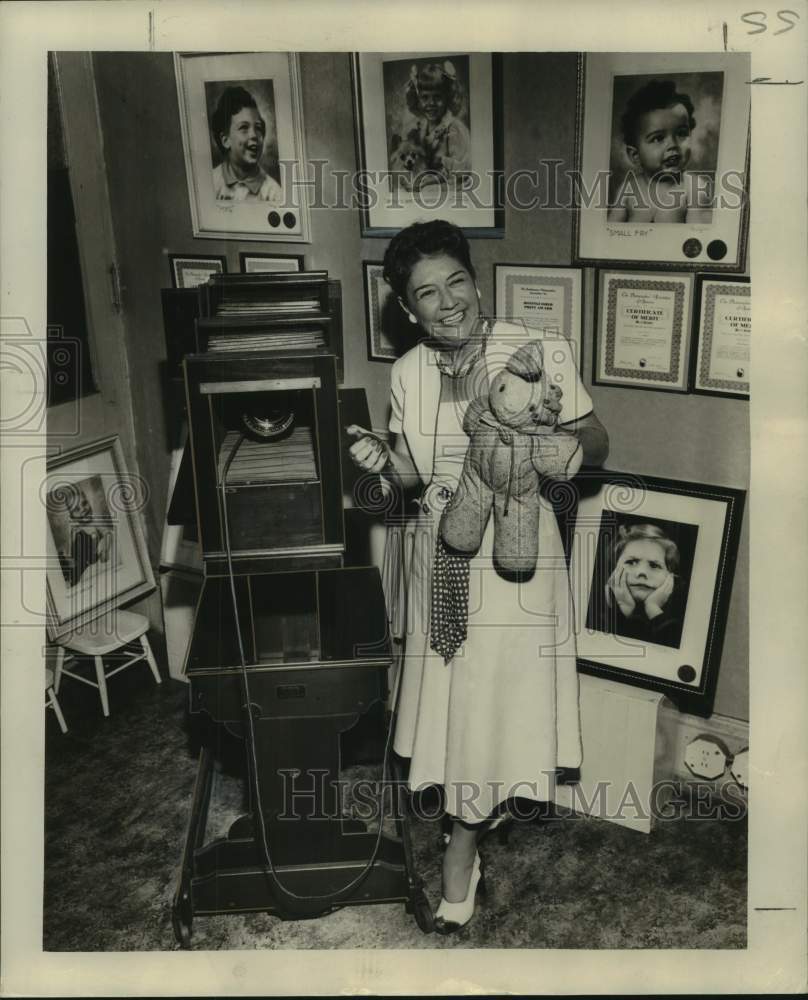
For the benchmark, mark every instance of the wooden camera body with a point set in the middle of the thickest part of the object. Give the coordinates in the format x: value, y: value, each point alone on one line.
x: 284, y: 629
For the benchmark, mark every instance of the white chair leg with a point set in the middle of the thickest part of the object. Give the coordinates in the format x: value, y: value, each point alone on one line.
x: 54, y: 704
x: 57, y: 672
x: 150, y: 658
x: 102, y: 684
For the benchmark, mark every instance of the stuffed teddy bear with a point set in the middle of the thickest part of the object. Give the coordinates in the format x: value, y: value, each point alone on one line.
x: 514, y: 442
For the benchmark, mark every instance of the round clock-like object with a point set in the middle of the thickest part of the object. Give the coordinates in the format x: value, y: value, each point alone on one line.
x: 268, y: 426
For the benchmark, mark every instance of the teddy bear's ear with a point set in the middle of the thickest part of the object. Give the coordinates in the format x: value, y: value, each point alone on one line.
x: 527, y: 362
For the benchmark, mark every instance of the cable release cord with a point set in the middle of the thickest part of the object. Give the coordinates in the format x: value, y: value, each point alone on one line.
x: 270, y: 867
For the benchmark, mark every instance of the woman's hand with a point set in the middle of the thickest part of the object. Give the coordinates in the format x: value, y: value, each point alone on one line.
x: 657, y: 600
x: 368, y: 452
x: 616, y: 586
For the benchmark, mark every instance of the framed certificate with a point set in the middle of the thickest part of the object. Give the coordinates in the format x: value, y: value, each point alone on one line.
x: 663, y: 141
x: 188, y: 272
x: 547, y: 298
x: 724, y: 323
x: 643, y: 330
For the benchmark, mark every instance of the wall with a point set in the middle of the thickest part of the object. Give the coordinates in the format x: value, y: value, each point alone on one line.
x: 699, y: 439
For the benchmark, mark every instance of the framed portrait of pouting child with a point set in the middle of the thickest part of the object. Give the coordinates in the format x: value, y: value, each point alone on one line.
x: 651, y: 569
x: 428, y: 140
x: 663, y: 144
x: 242, y: 132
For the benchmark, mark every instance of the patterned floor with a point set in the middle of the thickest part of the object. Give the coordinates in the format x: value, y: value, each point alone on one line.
x: 118, y: 795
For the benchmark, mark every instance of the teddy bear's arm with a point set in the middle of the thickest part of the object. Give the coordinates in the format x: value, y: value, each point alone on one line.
x: 558, y: 455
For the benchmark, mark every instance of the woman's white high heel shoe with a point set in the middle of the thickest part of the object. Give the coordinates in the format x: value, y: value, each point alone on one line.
x: 450, y: 917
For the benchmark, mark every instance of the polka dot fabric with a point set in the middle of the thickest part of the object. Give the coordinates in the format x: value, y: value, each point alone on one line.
x: 450, y: 601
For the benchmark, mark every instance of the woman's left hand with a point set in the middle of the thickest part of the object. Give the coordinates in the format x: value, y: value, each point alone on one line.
x: 657, y: 600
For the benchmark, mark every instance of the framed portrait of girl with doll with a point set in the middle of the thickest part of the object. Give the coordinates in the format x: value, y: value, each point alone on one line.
x: 428, y: 140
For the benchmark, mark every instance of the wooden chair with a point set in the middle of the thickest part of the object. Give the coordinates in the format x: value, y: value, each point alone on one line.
x: 105, y: 637
x: 51, y: 701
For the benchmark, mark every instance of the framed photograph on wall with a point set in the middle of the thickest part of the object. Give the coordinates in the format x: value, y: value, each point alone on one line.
x: 188, y: 272
x: 266, y: 263
x: 651, y: 569
x: 429, y: 140
x: 663, y: 142
x: 547, y: 298
x: 242, y: 134
x: 642, y: 330
x: 379, y: 304
x: 97, y: 558
x: 721, y: 354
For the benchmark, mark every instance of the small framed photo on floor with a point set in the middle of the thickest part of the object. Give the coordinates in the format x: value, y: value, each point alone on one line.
x: 269, y: 263
x: 642, y: 330
x: 651, y: 570
x: 97, y: 557
x: 429, y: 140
x: 189, y: 272
x: 663, y: 146
x: 545, y: 298
x: 721, y: 354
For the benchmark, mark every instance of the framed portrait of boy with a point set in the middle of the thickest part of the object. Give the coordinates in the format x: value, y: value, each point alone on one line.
x: 662, y: 165
x: 189, y: 272
x: 97, y: 557
x: 722, y: 348
x: 244, y: 146
x: 642, y: 330
x: 652, y: 564
x: 545, y: 298
x: 269, y: 263
x: 429, y: 140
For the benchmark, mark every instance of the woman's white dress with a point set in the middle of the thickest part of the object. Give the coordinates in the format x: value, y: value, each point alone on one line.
x: 502, y: 715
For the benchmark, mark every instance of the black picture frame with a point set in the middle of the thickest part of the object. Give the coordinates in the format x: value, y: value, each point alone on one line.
x: 183, y: 265
x: 698, y: 335
x: 680, y: 654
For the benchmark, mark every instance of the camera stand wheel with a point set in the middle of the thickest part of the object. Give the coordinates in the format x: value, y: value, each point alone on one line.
x: 418, y: 905
x: 181, y: 919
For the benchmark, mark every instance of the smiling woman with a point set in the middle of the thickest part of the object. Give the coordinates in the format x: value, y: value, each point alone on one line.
x: 488, y: 704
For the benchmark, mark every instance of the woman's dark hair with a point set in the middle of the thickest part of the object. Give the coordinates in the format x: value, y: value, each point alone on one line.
x: 231, y: 101
x: 656, y: 94
x: 650, y: 532
x: 423, y: 239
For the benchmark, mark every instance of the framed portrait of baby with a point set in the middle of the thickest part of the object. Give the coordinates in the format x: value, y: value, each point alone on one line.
x: 429, y: 140
x: 97, y: 558
x: 651, y: 569
x: 663, y: 141
x: 242, y: 134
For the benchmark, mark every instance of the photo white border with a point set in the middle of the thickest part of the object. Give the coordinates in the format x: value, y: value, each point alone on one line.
x: 775, y: 959
x: 218, y: 220
x: 600, y: 240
